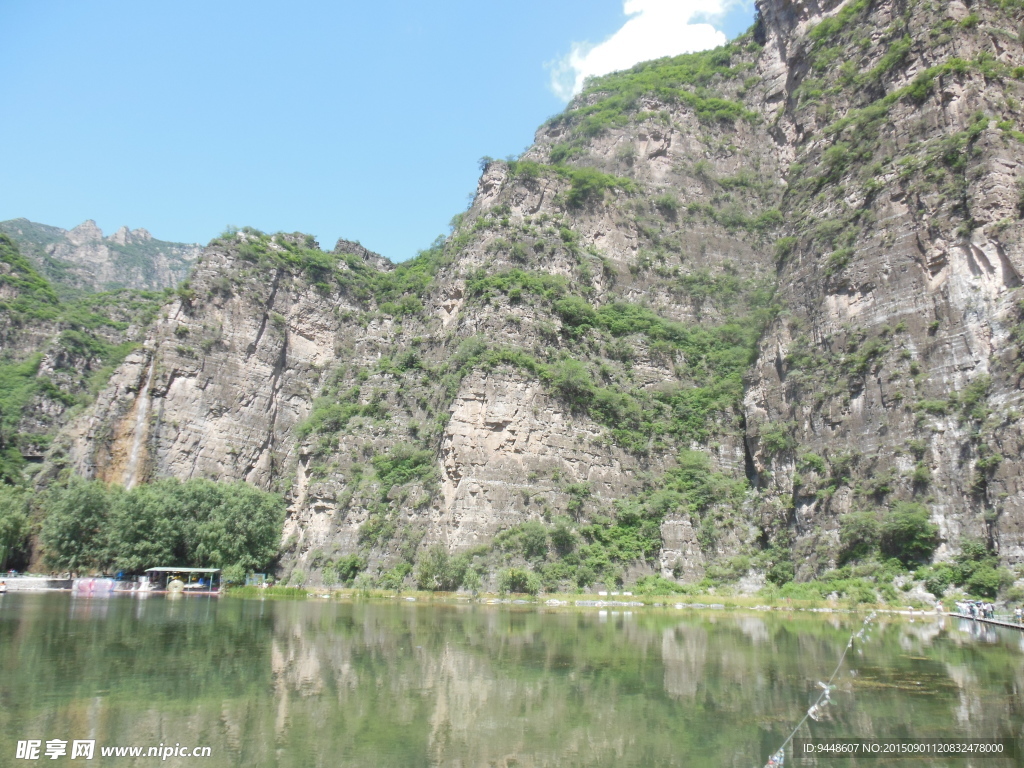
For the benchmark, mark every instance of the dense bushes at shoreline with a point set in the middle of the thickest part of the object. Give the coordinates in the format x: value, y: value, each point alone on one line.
x: 89, y: 526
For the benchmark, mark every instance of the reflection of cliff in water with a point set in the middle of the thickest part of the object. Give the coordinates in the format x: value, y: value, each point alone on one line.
x: 327, y: 684
x: 488, y: 685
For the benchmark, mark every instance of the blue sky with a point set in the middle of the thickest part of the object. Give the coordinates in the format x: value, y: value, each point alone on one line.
x: 333, y: 118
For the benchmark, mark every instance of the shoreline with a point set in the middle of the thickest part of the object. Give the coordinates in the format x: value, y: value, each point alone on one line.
x: 585, y: 600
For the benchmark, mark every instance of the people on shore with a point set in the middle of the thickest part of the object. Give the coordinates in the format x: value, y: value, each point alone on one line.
x: 978, y: 609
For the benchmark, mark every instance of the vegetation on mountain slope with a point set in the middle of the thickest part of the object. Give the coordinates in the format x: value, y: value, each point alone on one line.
x: 56, y: 354
x: 652, y: 350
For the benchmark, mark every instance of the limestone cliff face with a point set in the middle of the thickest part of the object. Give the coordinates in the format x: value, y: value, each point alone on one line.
x: 897, y: 358
x: 83, y: 258
x: 53, y: 353
x: 843, y: 183
x: 221, y: 383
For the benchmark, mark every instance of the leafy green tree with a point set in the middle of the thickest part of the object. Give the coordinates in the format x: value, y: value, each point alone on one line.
x: 76, y: 532
x: 13, y: 522
x: 977, y: 569
x: 439, y: 571
x: 242, y: 525
x: 196, y: 523
x: 529, y: 539
x: 145, y: 527
x: 907, y: 534
x: 938, y: 577
x: 348, y: 567
x: 472, y: 580
x: 987, y: 580
x: 329, y: 575
x: 858, y: 535
x: 781, y: 572
x: 233, y: 574
x: 518, y: 580
x: 563, y: 539
x: 393, y: 579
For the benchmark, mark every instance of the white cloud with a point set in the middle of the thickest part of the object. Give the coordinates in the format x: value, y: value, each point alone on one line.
x: 655, y: 28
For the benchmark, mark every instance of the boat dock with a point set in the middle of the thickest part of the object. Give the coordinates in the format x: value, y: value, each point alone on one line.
x: 21, y: 583
x: 993, y: 622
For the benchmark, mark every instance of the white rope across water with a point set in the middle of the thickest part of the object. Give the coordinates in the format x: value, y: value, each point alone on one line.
x: 824, y: 698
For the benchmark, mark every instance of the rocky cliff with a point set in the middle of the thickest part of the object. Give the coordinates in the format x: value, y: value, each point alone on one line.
x: 896, y: 359
x: 735, y: 315
x: 55, y: 354
x: 82, y: 258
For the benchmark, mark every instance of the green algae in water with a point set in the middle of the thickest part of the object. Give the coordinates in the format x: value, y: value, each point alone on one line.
x: 271, y: 683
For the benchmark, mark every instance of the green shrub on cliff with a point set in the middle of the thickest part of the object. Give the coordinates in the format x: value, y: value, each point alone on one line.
x: 88, y: 340
x: 595, y: 543
x: 397, y: 291
x: 586, y: 185
x: 975, y: 568
x: 907, y: 534
x: 613, y: 100
x: 18, y: 384
x: 903, y: 532
x: 405, y: 463
x: 29, y: 296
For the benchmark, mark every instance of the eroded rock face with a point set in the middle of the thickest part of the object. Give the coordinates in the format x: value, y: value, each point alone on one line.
x: 507, y: 449
x: 228, y: 380
x: 900, y: 325
x: 83, y: 258
x: 859, y: 182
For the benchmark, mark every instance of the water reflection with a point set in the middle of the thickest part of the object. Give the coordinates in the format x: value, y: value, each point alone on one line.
x: 328, y: 684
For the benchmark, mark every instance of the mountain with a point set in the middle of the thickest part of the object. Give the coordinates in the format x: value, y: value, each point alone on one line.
x: 56, y: 353
x: 745, y: 317
x: 82, y: 258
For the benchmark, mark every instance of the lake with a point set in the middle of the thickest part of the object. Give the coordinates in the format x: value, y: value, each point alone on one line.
x: 394, y: 683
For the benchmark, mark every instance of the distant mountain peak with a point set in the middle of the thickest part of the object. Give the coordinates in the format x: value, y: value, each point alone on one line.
x: 86, y: 232
x: 83, y: 259
x: 124, y: 236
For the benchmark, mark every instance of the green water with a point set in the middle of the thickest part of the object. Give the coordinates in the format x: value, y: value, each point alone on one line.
x: 321, y: 683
